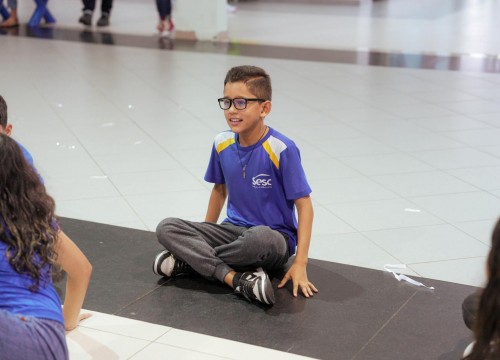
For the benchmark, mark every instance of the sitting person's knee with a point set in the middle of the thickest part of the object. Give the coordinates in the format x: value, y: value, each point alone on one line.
x: 470, y: 308
x: 265, y: 238
x: 165, y: 226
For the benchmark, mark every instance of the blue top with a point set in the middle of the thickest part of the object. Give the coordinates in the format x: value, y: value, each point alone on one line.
x: 26, y: 153
x: 274, y: 178
x: 16, y: 297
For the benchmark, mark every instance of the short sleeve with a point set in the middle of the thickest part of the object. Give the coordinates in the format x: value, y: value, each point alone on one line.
x: 214, y: 173
x: 294, y: 178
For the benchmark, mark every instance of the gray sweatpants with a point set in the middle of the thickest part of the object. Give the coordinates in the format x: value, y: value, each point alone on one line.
x: 213, y: 250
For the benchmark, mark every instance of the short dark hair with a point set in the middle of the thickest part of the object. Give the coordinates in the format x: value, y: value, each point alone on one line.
x: 3, y: 112
x: 255, y: 78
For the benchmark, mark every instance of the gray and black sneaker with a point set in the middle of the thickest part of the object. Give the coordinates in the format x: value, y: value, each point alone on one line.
x: 103, y: 20
x: 166, y: 264
x: 86, y: 18
x: 256, y: 285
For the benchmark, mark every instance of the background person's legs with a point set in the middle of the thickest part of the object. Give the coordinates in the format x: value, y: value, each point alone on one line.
x: 106, y: 6
x: 165, y: 25
x: 12, y: 19
x: 164, y: 8
x: 88, y: 10
x: 88, y: 5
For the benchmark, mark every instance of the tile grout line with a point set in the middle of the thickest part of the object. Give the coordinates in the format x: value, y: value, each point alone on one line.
x: 139, y: 298
x: 383, y: 326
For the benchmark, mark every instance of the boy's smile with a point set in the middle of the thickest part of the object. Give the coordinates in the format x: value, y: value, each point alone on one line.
x: 235, y: 120
x: 249, y: 122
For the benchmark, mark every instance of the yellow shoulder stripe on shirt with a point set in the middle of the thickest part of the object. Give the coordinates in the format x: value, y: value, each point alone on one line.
x: 223, y: 140
x: 274, y: 147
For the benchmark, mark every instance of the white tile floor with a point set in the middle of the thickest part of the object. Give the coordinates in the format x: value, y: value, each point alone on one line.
x: 104, y: 336
x: 404, y: 163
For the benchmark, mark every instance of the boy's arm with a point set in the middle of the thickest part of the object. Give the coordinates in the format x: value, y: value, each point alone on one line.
x: 297, y: 272
x: 216, y: 202
x: 78, y: 270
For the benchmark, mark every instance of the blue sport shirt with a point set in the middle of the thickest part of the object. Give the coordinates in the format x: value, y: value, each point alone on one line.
x: 16, y: 297
x: 274, y: 179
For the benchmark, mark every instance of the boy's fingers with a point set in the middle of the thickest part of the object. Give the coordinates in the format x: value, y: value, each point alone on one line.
x: 284, y: 281
x: 307, y: 291
x: 313, y: 287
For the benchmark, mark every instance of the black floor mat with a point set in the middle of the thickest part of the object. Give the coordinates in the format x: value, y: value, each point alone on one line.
x: 358, y: 314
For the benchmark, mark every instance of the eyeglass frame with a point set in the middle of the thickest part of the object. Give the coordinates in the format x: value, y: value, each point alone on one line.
x: 231, y: 102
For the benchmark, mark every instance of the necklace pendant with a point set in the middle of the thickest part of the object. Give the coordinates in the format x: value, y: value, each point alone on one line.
x: 244, y: 167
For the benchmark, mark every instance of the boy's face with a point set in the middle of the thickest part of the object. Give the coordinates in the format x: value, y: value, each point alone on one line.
x: 6, y: 130
x: 247, y: 121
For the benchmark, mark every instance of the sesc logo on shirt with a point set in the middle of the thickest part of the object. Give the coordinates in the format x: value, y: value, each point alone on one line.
x: 262, y: 181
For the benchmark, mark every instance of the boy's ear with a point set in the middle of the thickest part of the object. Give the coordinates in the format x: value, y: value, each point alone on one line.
x: 266, y: 108
x: 8, y: 129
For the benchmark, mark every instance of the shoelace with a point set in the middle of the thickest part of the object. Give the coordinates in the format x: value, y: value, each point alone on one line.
x: 246, y: 288
x: 181, y: 267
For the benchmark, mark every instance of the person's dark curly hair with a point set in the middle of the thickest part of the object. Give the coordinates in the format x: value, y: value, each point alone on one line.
x: 27, y: 221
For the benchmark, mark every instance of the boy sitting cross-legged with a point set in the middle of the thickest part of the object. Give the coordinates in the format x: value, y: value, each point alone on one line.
x: 260, y: 173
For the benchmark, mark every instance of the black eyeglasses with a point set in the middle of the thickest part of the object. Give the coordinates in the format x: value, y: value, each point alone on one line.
x: 239, y: 103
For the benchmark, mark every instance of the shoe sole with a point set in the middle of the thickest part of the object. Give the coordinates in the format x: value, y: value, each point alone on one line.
x: 157, y: 262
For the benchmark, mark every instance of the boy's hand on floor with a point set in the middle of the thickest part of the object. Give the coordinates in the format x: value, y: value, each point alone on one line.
x: 298, y: 274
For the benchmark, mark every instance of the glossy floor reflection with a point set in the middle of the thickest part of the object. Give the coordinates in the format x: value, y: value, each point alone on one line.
x: 449, y: 35
x: 475, y: 62
x: 403, y: 160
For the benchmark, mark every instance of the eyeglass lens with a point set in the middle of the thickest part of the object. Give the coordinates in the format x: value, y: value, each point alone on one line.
x: 238, y: 103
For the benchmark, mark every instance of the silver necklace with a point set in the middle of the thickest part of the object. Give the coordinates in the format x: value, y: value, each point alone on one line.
x: 244, y: 167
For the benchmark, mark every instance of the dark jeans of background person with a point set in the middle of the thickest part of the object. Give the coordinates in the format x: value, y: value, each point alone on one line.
x: 106, y: 5
x: 164, y: 8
